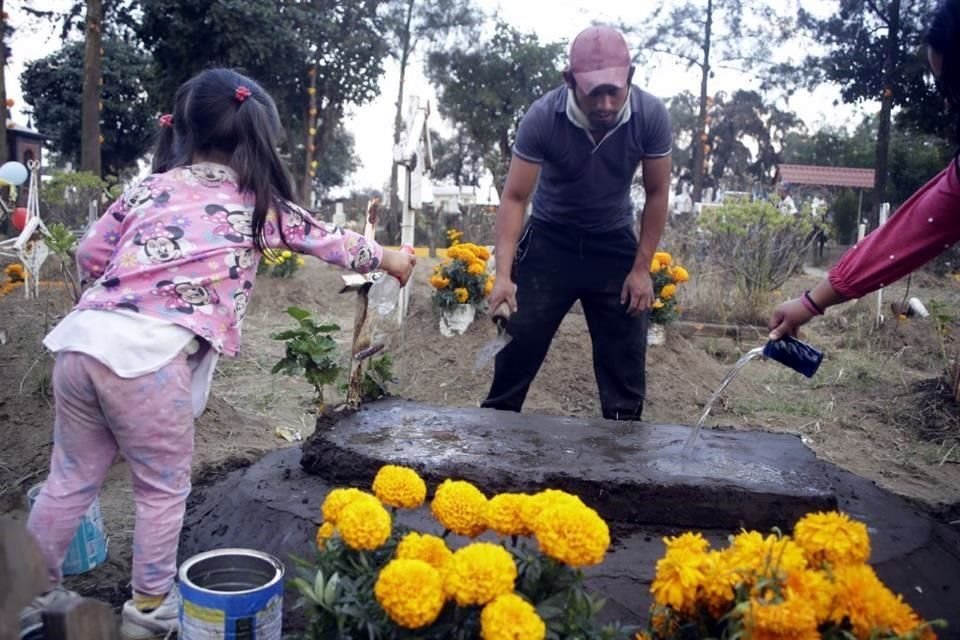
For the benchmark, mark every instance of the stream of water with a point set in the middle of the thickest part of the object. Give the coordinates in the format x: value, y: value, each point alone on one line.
x: 691, y: 442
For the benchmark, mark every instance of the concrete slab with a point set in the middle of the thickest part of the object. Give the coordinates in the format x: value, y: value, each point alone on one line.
x: 274, y: 506
x: 630, y: 472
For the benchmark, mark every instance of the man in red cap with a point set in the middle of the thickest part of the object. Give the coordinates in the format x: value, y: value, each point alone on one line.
x: 576, y: 153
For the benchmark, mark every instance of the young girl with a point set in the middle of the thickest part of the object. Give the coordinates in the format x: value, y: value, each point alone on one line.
x: 925, y: 225
x: 171, y: 267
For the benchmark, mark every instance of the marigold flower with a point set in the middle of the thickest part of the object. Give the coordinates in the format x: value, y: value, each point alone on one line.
x: 510, y: 617
x: 324, y: 532
x: 664, y: 258
x: 399, y: 487
x: 668, y: 291
x: 487, y: 287
x: 476, y: 269
x: 573, y: 534
x: 658, y: 304
x: 870, y: 607
x: 364, y: 525
x: 787, y: 620
x: 460, y: 507
x: 439, y: 282
x: 337, y: 499
x: 478, y: 573
x: 461, y: 294
x: 815, y: 588
x: 655, y: 266
x: 287, y: 254
x: 832, y: 538
x: 690, y: 541
x: 718, y: 589
x: 411, y: 592
x: 531, y: 509
x: 680, y: 275
x: 752, y: 554
x: 505, y: 514
x: 425, y: 547
x: 679, y: 575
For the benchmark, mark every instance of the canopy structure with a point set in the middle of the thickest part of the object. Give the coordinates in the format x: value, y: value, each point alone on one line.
x: 818, y: 176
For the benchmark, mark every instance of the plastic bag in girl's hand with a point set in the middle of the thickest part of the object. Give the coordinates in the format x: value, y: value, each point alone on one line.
x: 795, y: 354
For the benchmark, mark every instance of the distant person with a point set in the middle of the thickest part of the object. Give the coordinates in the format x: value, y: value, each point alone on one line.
x: 171, y: 268
x: 925, y: 226
x: 580, y: 146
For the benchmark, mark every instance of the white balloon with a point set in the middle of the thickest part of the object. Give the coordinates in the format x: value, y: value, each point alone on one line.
x: 13, y: 173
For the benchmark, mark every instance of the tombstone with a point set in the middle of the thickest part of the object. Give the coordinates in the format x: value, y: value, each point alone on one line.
x: 339, y: 217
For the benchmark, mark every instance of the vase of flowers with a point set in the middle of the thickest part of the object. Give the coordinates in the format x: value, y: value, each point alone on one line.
x: 461, y: 284
x: 667, y: 277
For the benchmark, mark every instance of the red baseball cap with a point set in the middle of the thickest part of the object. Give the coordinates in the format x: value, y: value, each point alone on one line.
x: 598, y: 56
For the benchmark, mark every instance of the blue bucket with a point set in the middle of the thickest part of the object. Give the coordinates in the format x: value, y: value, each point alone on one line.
x: 231, y: 594
x: 88, y: 549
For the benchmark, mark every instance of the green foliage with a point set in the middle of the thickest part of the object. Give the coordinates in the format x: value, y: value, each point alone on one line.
x: 311, y: 352
x: 53, y: 87
x: 457, y: 159
x: 63, y: 244
x: 282, y: 264
x: 758, y: 245
x: 336, y: 589
x: 376, y: 377
x: 66, y: 196
x: 487, y: 88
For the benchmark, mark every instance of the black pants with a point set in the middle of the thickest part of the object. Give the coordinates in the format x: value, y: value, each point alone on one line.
x: 554, y: 267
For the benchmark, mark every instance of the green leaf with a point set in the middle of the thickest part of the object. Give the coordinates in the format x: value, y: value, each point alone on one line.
x: 330, y: 593
x: 318, y: 584
x: 297, y: 313
x: 289, y: 334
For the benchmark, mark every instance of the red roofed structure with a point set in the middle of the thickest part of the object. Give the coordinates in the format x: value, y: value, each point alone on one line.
x: 825, y: 176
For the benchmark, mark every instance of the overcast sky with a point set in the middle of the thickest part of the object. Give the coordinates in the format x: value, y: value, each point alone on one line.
x: 552, y: 20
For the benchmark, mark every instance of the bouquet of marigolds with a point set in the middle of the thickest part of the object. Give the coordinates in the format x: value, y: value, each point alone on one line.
x: 667, y: 276
x: 374, y: 579
x: 280, y: 264
x: 14, y: 276
x: 462, y: 278
x: 814, y: 584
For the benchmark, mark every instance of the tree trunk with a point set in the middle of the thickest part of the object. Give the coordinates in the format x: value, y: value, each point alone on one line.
x: 311, y: 135
x: 393, y: 219
x: 890, y: 87
x: 699, y: 153
x: 92, y: 71
x: 4, y: 112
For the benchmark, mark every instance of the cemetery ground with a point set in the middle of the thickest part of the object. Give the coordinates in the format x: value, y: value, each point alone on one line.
x: 880, y: 405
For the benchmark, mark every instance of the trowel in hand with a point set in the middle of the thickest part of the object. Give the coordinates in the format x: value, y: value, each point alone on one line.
x: 490, y: 350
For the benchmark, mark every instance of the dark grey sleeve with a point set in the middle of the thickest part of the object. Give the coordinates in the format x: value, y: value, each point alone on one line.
x: 529, y: 144
x: 657, y: 134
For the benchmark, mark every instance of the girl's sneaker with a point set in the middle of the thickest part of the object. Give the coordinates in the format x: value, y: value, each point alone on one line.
x: 162, y: 622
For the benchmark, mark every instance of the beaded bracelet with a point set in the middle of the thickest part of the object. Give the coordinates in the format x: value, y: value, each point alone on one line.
x: 811, y: 306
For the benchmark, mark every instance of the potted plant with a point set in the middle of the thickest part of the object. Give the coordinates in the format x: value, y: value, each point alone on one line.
x: 461, y: 284
x: 667, y: 277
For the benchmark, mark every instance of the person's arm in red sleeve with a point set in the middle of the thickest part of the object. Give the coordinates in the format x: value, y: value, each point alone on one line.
x: 924, y: 227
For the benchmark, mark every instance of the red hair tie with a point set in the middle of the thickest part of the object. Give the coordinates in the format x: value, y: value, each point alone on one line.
x: 241, y: 94
x: 166, y: 120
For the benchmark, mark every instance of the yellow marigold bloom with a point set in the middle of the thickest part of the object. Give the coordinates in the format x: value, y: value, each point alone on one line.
x: 460, y: 507
x: 510, y: 617
x: 324, y: 533
x: 14, y: 272
x: 399, y: 487
x: 505, y: 514
x: 531, y: 509
x: 411, y: 592
x: 461, y: 294
x: 425, y: 547
x: 866, y: 602
x: 680, y: 274
x: 483, y: 253
x: 575, y: 535
x: 832, y: 538
x: 668, y: 291
x: 488, y: 287
x: 813, y: 587
x: 664, y: 258
x: 658, y: 304
x: 476, y: 269
x: 300, y: 261
x: 439, y: 282
x: 287, y: 253
x: 478, y: 573
x: 718, y: 589
x: 679, y: 575
x: 787, y: 620
x: 364, y: 525
x: 694, y: 542
x: 752, y: 554
x: 655, y: 266
x: 337, y: 499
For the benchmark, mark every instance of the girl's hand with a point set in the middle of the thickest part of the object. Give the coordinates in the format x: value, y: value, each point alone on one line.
x: 399, y: 264
x: 788, y: 318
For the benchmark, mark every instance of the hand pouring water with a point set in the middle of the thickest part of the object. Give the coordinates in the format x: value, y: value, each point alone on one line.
x: 501, y: 315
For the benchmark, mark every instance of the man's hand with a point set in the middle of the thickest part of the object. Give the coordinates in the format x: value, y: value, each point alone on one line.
x: 504, y: 290
x: 637, y: 291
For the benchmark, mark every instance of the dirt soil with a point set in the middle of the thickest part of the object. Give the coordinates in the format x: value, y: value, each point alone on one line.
x: 878, y: 406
